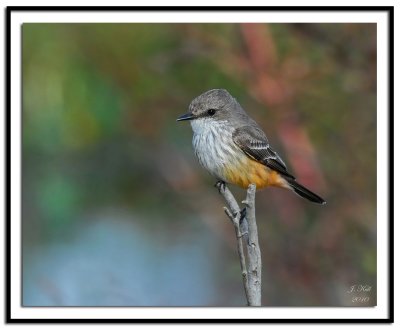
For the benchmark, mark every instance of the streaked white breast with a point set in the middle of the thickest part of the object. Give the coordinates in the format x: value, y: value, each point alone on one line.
x: 213, y: 145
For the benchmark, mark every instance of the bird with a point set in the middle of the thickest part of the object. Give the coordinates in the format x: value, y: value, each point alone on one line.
x: 233, y: 148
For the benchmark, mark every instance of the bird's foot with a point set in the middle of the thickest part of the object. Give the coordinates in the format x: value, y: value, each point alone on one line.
x: 220, y: 185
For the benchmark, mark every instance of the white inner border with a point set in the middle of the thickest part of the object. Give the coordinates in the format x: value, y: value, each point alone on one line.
x: 380, y: 311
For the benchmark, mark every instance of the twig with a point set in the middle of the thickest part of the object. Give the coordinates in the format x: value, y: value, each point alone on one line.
x: 251, y: 274
x: 253, y: 249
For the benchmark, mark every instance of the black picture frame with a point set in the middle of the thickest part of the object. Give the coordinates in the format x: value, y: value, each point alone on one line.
x: 389, y: 10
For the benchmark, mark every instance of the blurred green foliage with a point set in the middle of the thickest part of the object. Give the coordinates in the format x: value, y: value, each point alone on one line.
x: 99, y: 133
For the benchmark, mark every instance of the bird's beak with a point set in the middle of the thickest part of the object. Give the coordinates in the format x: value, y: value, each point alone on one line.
x: 187, y: 116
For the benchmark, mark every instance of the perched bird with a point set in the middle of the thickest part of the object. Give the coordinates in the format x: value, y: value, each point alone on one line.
x: 233, y: 148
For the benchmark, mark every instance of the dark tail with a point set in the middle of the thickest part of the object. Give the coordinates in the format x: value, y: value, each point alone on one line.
x: 305, y: 193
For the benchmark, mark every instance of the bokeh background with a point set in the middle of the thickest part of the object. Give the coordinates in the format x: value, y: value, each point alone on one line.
x: 116, y: 210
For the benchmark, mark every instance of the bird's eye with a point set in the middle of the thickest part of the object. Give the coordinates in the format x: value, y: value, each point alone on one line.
x: 211, y: 112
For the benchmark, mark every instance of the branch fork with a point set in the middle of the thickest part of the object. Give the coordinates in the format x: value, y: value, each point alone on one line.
x: 245, y: 225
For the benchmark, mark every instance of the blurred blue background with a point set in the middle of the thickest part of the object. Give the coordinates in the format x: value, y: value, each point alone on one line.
x: 116, y: 210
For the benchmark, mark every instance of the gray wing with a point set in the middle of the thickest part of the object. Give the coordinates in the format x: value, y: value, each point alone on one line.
x: 253, y: 142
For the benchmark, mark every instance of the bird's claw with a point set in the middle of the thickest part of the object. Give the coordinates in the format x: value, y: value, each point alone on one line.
x: 220, y: 185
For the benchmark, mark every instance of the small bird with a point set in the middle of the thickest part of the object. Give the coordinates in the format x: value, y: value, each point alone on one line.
x: 233, y: 148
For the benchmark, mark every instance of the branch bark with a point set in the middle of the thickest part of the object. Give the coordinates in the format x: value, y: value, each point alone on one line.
x: 245, y: 225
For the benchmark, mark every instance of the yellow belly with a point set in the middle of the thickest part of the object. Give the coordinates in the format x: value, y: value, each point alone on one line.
x: 248, y: 171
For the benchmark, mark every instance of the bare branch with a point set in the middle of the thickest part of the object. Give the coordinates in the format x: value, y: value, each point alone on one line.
x: 243, y: 221
x: 253, y: 249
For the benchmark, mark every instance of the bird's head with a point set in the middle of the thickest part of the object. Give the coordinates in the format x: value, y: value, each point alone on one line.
x: 214, y: 104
